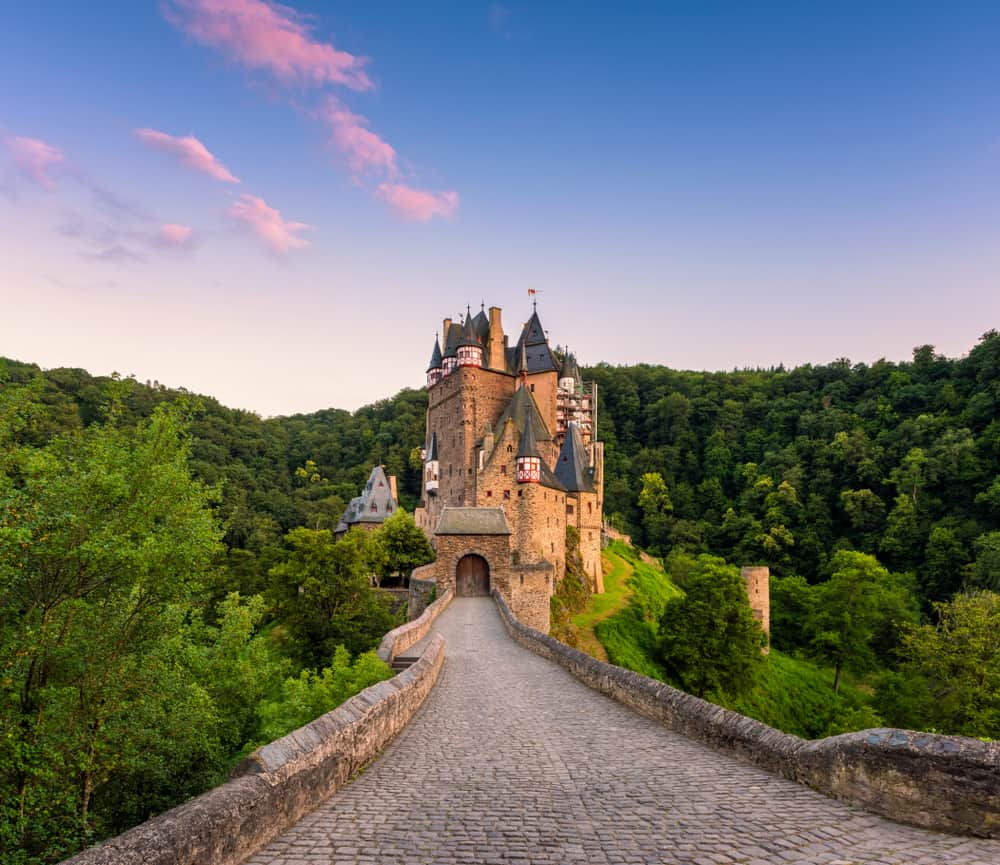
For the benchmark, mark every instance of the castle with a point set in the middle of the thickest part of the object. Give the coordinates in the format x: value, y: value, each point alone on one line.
x: 511, y: 459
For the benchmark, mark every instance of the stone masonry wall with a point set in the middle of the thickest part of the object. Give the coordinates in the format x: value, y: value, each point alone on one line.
x: 279, y: 783
x: 398, y: 640
x: 450, y: 549
x: 947, y: 783
x: 531, y: 588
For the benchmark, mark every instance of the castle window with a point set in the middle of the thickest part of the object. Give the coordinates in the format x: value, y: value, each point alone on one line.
x: 569, y: 509
x: 522, y: 579
x: 489, y: 494
x: 510, y: 449
x: 506, y: 495
x: 520, y: 493
x: 590, y: 507
x: 503, y: 469
x: 374, y: 508
x: 553, y: 547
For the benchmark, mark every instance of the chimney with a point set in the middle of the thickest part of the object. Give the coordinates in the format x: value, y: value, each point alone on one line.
x: 496, y: 355
x: 392, y: 488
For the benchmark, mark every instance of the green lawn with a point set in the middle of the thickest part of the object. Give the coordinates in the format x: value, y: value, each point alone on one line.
x: 791, y: 694
x: 615, y: 597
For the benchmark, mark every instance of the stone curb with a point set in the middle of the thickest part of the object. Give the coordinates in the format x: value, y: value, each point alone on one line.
x: 279, y: 783
x: 398, y: 640
x: 946, y: 783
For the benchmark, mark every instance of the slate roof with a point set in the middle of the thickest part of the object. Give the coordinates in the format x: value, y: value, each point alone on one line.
x: 451, y: 340
x: 528, y: 447
x: 469, y: 336
x: 435, y: 355
x: 472, y: 521
x: 536, y: 348
x: 573, y: 466
x: 523, y: 408
x: 482, y: 325
x: 376, y: 492
x: 432, y: 448
x: 569, y: 368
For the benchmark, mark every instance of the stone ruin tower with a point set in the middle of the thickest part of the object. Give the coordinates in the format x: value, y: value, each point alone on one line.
x: 510, y: 460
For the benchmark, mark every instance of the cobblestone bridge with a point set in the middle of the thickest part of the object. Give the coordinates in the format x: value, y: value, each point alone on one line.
x: 511, y: 760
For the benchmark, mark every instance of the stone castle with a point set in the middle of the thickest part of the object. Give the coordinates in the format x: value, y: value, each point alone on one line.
x: 511, y: 459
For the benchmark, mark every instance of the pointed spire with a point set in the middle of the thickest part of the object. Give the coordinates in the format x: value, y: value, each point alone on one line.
x: 435, y: 355
x: 528, y: 447
x: 573, y: 466
x: 469, y: 337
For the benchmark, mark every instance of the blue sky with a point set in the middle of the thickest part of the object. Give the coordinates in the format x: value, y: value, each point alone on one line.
x: 705, y: 185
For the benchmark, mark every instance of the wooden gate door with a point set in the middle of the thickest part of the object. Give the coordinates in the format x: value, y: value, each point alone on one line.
x: 472, y: 576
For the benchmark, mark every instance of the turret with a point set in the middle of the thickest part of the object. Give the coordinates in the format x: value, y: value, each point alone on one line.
x: 569, y: 375
x: 434, y: 372
x: 529, y: 460
x: 431, y: 466
x: 449, y: 357
x: 470, y: 349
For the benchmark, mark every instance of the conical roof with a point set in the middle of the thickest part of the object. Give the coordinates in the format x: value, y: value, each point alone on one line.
x: 572, y: 467
x: 569, y: 367
x: 435, y: 355
x: 528, y: 446
x: 469, y: 337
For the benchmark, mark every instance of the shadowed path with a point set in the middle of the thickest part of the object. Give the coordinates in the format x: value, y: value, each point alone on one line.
x: 511, y: 760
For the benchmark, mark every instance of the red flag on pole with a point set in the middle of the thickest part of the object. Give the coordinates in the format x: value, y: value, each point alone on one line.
x: 531, y: 292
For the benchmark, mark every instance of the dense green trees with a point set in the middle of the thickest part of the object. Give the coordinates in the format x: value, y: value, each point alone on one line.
x: 131, y: 675
x: 785, y: 467
x: 709, y: 639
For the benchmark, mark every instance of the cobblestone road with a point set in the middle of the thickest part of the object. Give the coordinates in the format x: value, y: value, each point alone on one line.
x: 511, y: 760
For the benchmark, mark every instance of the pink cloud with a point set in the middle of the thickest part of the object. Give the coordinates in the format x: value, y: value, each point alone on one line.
x: 34, y: 158
x: 264, y: 35
x: 418, y: 205
x: 190, y: 151
x: 173, y: 235
x: 365, y: 150
x: 268, y: 225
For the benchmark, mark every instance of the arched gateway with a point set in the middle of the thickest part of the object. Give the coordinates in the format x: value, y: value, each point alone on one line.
x: 472, y: 576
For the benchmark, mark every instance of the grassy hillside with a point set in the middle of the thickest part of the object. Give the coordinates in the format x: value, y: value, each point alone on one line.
x: 791, y: 694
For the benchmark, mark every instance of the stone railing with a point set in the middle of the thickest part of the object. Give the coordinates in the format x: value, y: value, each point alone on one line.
x: 279, y: 783
x: 948, y: 783
x: 423, y: 585
x: 398, y: 640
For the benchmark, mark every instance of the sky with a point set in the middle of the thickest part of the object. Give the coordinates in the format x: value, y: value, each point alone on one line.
x: 276, y: 205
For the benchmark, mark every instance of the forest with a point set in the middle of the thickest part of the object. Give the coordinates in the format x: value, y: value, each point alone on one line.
x: 171, y: 594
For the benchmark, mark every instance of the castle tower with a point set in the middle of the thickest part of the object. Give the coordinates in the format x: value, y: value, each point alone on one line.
x: 470, y: 349
x: 758, y: 580
x: 529, y: 461
x: 434, y: 372
x: 492, y: 462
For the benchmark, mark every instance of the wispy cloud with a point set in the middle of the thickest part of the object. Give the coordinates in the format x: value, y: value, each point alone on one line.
x: 417, y: 205
x: 268, y: 224
x: 174, y: 236
x: 365, y: 150
x: 263, y: 35
x: 36, y: 159
x: 190, y: 151
x: 116, y: 253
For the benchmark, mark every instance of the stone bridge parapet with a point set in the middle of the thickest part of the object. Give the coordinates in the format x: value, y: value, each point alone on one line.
x: 398, y: 640
x: 947, y: 783
x: 279, y: 783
